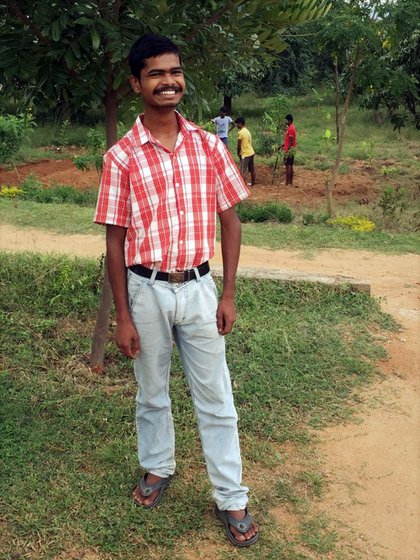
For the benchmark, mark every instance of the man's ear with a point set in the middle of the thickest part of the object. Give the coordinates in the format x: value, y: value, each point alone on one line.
x: 135, y: 84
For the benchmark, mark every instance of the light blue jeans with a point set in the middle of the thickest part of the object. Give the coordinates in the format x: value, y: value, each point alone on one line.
x: 186, y: 312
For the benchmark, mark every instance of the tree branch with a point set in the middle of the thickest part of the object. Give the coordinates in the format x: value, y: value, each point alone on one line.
x: 212, y: 19
x: 27, y: 21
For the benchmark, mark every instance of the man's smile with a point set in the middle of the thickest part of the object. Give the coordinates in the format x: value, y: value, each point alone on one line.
x: 167, y: 91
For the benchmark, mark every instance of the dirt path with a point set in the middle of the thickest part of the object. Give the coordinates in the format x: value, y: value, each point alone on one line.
x: 373, y: 467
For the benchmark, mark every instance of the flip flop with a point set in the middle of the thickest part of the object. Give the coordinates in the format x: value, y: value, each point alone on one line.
x: 241, y: 525
x: 148, y: 489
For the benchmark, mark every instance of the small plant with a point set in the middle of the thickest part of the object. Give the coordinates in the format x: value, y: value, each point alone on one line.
x: 370, y: 150
x: 13, y: 130
x: 10, y: 192
x: 64, y: 134
x: 385, y: 170
x: 96, y: 147
x: 393, y: 201
x: 355, y: 223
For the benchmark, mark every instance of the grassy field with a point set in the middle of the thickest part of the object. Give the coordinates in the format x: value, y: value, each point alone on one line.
x: 299, y: 358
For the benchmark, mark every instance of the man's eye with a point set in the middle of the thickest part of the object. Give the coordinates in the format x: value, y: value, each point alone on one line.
x: 177, y: 72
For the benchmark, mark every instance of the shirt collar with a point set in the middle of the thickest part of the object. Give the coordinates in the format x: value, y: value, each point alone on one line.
x: 142, y: 135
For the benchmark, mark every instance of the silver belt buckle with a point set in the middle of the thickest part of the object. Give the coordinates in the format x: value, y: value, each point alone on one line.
x: 176, y: 277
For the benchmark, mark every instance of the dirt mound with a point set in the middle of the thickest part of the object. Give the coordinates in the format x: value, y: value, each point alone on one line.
x: 308, y: 190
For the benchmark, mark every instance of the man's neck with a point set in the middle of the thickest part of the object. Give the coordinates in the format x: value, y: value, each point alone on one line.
x: 163, y: 125
x: 161, y: 122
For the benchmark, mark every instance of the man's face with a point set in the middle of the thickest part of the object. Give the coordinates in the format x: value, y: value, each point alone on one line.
x: 161, y: 82
x: 222, y: 114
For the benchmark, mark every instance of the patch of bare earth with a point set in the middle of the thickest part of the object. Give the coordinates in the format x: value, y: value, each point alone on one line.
x: 308, y: 189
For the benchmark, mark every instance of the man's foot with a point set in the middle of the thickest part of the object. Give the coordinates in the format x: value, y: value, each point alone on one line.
x: 148, y: 493
x: 253, y: 529
x: 240, y: 528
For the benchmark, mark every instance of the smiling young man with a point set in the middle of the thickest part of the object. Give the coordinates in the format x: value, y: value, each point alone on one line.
x: 163, y: 185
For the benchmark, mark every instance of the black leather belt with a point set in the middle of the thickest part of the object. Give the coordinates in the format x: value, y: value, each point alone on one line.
x: 175, y: 277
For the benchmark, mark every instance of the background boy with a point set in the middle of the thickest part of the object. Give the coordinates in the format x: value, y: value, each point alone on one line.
x: 245, y: 150
x: 224, y: 124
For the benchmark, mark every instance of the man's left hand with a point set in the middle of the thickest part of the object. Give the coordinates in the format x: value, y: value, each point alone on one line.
x: 226, y: 316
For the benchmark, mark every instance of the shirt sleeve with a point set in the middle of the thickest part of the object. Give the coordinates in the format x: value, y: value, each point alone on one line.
x: 231, y: 188
x: 114, y: 205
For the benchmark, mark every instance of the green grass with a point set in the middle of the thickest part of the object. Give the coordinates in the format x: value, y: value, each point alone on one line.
x: 299, y: 357
x: 59, y: 218
x: 73, y: 219
x: 293, y: 236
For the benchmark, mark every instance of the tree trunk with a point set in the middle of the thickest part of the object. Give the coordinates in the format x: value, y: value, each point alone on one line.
x: 227, y: 102
x: 331, y: 183
x: 337, y: 100
x: 104, y: 311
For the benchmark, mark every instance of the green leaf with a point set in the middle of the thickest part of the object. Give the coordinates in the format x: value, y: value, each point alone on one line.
x: 96, y: 40
x: 55, y: 31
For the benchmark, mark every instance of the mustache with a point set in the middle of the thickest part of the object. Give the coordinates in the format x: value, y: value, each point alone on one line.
x: 176, y: 89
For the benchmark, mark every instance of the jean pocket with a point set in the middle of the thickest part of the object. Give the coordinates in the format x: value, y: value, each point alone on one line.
x: 135, y: 287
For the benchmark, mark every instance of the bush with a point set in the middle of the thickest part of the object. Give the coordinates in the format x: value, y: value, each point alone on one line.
x: 392, y: 201
x: 310, y: 219
x: 270, y: 211
x: 33, y: 189
x: 12, y: 134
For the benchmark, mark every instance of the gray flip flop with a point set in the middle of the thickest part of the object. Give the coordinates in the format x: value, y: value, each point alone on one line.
x: 241, y: 525
x: 148, y: 489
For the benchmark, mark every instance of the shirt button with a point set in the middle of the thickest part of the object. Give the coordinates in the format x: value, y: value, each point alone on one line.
x: 181, y: 212
x: 181, y: 242
x: 177, y: 184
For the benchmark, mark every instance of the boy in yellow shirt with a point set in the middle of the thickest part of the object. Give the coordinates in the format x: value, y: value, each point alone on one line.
x: 245, y: 150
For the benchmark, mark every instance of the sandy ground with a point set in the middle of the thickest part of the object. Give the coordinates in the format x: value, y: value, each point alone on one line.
x: 374, y: 466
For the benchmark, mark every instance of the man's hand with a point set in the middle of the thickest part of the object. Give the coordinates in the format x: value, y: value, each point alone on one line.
x: 226, y: 316
x: 127, y: 338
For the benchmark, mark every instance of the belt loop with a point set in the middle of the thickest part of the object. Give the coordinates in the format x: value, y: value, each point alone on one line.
x: 197, y: 274
x: 152, y: 279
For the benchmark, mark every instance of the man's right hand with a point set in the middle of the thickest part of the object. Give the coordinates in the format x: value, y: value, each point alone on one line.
x: 127, y: 339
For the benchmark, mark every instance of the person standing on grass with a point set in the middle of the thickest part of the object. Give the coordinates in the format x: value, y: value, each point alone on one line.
x: 245, y: 150
x: 224, y: 124
x: 162, y: 186
x: 289, y: 148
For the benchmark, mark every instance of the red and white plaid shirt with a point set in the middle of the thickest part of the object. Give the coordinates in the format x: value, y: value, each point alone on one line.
x: 168, y: 200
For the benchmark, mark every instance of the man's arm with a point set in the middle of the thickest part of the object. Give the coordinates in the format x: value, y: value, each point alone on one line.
x: 238, y: 149
x: 231, y: 246
x: 126, y: 337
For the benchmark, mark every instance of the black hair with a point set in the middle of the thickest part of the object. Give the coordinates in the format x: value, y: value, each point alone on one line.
x: 149, y: 46
x: 223, y: 110
x: 240, y: 120
x: 289, y: 118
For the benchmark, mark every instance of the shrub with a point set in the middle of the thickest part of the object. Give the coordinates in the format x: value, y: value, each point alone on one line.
x: 33, y: 189
x: 356, y: 223
x: 13, y: 130
x: 310, y: 219
x: 270, y: 211
x: 392, y: 201
x: 96, y: 147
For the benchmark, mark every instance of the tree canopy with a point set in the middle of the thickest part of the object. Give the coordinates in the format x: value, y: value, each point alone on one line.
x: 74, y: 53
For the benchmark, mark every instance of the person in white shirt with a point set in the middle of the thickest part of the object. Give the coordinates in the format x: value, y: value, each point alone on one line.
x: 224, y: 125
